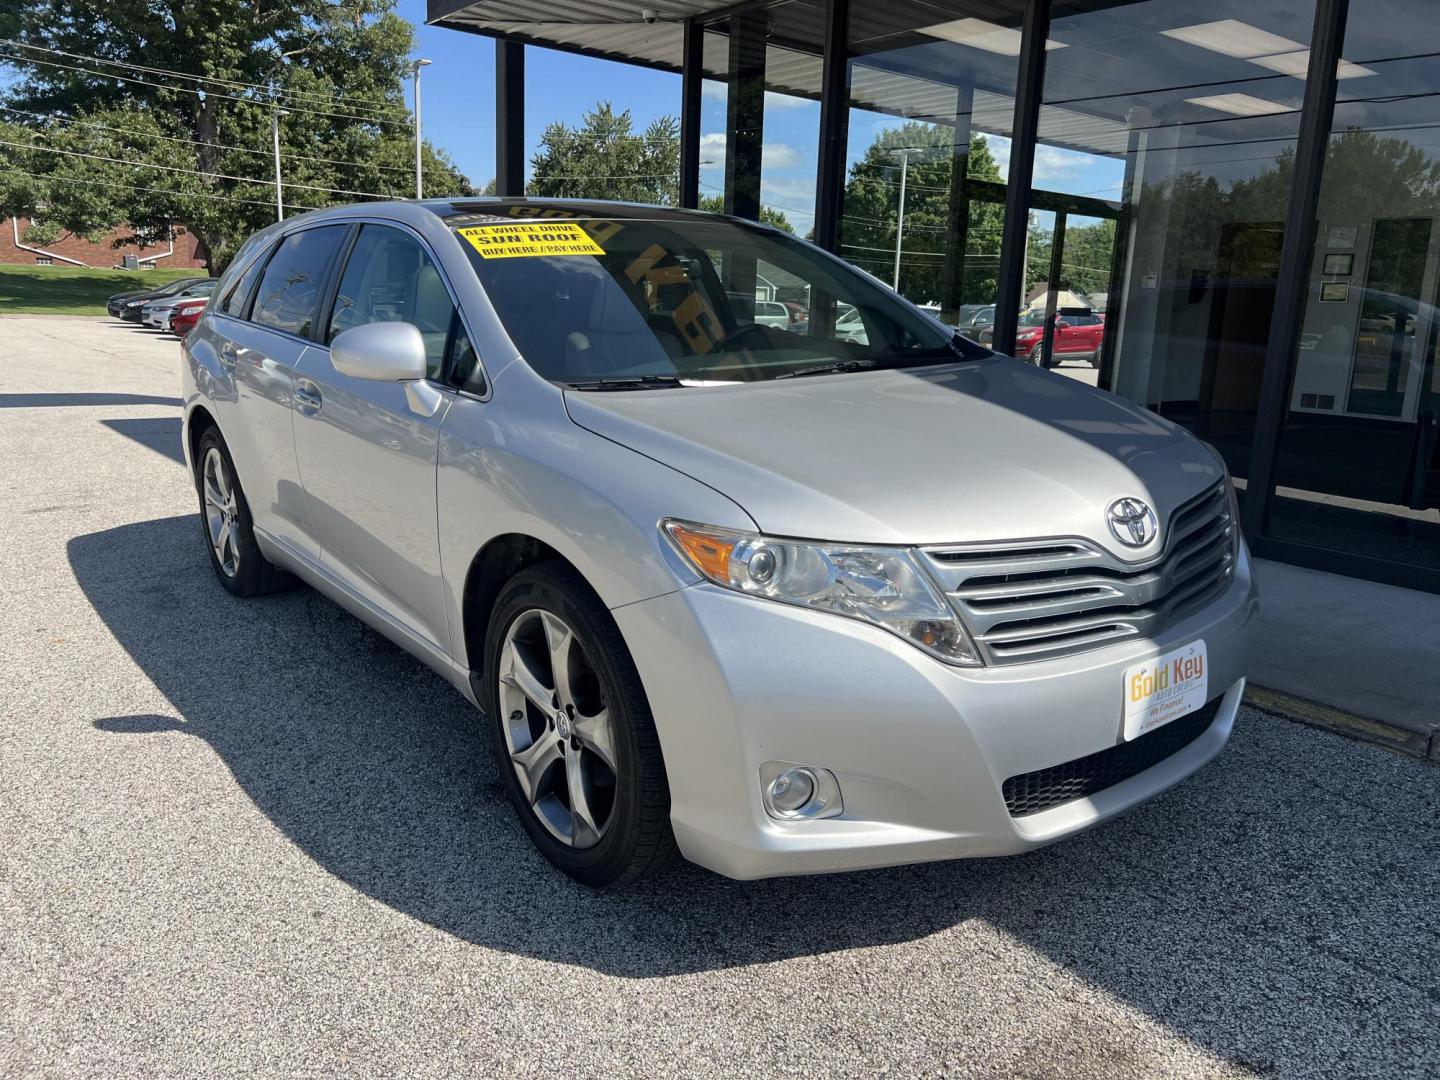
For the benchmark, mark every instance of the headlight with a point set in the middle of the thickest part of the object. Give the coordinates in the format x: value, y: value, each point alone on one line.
x: 882, y: 586
x: 134, y: 303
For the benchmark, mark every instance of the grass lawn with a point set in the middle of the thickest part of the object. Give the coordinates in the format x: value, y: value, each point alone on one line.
x: 73, y: 290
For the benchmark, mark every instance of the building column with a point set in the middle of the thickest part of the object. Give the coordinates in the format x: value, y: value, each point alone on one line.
x: 746, y: 114
x: 1010, y: 289
x: 957, y: 234
x: 509, y: 118
x: 1316, y: 115
x: 834, y: 120
x: 692, y: 72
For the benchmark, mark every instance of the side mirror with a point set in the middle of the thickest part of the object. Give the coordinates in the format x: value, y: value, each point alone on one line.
x: 380, y: 352
x: 1061, y: 324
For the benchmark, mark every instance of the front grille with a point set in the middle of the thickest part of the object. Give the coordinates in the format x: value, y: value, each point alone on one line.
x: 1032, y: 792
x: 1038, y: 599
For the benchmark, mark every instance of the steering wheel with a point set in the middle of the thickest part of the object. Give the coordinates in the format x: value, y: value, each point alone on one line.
x: 736, y: 339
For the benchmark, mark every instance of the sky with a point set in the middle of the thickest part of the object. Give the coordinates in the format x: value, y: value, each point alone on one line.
x: 458, y: 98
x: 459, y: 108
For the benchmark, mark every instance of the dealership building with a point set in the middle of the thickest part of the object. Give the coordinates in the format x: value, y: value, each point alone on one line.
x: 1264, y: 252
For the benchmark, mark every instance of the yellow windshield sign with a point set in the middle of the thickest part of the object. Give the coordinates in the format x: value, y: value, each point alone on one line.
x: 530, y: 239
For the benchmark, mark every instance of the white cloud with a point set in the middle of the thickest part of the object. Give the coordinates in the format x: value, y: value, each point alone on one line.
x: 776, y: 155
x: 1000, y: 150
x: 719, y: 91
x: 790, y: 193
x: 780, y: 156
x: 1052, y: 163
x: 786, y: 101
x: 712, y: 149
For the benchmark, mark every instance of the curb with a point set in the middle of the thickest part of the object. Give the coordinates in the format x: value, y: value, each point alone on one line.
x: 1416, y: 744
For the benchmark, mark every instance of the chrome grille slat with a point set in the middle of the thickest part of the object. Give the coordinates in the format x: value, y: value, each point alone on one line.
x: 1026, y: 600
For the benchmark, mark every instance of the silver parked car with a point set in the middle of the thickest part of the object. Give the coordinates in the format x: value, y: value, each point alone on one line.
x: 158, y: 312
x: 786, y: 602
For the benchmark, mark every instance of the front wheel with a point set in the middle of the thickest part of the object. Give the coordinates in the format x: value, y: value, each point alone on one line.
x: 573, y: 732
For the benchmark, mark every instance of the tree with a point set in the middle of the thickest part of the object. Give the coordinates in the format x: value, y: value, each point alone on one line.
x: 180, y: 96
x: 1085, y: 263
x: 605, y: 159
x: 715, y: 204
x: 868, y: 224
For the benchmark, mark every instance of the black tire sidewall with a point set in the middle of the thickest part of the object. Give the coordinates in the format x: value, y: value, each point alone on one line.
x: 250, y: 576
x: 553, y: 588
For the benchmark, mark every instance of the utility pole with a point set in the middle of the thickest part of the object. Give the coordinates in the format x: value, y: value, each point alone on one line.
x: 415, y: 67
x: 904, y: 152
x: 275, y: 115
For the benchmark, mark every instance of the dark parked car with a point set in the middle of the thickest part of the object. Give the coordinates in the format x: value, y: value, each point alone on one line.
x: 972, y: 318
x: 127, y: 305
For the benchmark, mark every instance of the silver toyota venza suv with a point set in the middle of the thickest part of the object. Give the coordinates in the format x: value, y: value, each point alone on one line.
x: 846, y: 592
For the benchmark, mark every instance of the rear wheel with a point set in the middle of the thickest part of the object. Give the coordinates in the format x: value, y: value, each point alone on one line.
x: 225, y: 521
x: 573, y: 732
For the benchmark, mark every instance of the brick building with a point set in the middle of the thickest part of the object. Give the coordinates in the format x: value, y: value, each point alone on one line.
x: 183, y: 250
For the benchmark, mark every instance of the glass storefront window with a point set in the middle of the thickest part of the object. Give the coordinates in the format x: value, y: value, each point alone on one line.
x: 1176, y: 118
x: 761, y: 115
x: 1359, y: 460
x: 932, y: 100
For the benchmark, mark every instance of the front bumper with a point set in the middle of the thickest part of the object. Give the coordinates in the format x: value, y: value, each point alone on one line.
x: 158, y: 319
x: 921, y: 750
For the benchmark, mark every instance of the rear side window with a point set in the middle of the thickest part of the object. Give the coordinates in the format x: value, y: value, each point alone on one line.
x: 234, y: 303
x: 389, y: 277
x: 291, y: 287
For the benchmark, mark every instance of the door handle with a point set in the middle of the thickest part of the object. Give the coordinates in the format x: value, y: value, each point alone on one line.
x: 307, y: 398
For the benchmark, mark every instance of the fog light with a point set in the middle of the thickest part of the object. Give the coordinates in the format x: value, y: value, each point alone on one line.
x: 791, y: 790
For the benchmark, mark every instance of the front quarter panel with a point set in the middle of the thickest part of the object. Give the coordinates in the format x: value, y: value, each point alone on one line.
x: 517, y: 464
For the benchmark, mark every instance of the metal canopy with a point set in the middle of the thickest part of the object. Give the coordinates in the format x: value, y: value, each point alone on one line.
x: 615, y: 31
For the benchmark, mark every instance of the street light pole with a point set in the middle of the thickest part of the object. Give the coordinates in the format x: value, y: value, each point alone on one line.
x: 904, y: 152
x: 415, y: 67
x: 275, y: 115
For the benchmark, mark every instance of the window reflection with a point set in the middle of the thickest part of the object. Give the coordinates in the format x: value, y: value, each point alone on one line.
x: 931, y: 105
x: 1358, y: 468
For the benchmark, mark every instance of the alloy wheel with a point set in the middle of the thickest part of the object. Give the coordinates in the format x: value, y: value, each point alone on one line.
x: 557, y: 727
x: 220, y: 513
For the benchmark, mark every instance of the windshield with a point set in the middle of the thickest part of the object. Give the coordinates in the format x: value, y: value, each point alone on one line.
x: 592, y: 302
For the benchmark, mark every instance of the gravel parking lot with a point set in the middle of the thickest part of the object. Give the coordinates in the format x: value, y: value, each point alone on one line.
x: 253, y: 838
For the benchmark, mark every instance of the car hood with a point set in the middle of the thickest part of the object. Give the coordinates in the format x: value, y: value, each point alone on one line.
x: 986, y: 450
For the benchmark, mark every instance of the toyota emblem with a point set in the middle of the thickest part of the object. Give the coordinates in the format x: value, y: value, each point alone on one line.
x: 1132, y: 522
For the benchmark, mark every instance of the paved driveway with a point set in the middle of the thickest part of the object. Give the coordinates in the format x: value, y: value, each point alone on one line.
x: 254, y: 838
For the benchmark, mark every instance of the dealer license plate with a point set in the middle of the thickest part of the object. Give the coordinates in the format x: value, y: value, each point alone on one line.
x: 1165, y: 688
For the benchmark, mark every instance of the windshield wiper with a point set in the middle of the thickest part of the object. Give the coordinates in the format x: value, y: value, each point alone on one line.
x: 836, y: 368
x: 957, y: 348
x: 625, y: 382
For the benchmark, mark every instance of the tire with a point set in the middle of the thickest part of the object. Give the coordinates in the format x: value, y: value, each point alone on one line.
x: 623, y: 832
x: 244, y: 571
